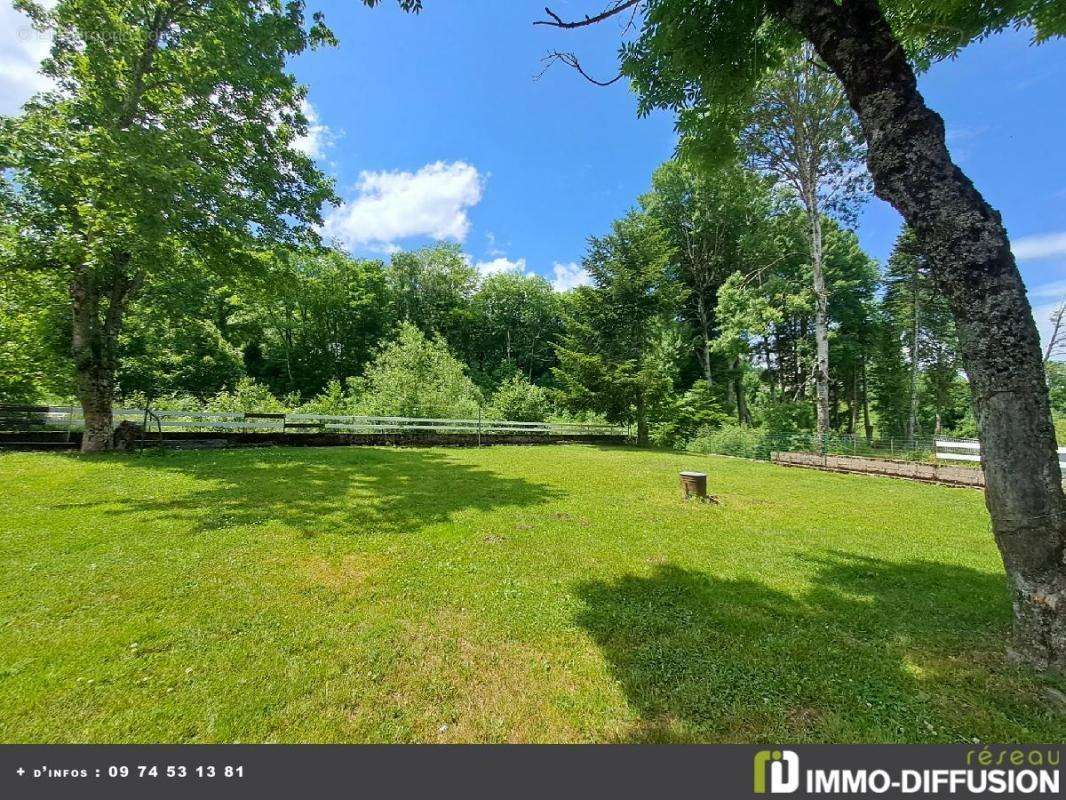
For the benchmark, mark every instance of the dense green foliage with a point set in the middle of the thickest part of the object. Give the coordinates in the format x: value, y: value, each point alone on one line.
x: 521, y: 401
x: 620, y: 353
x: 516, y: 321
x: 548, y: 594
x: 413, y: 376
x: 166, y: 150
x: 323, y: 321
x: 700, y: 309
x: 920, y: 379
x: 708, y: 61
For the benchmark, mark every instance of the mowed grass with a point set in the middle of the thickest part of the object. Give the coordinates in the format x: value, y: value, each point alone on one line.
x: 550, y: 594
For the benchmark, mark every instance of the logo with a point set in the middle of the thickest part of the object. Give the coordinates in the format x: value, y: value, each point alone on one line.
x: 784, y: 771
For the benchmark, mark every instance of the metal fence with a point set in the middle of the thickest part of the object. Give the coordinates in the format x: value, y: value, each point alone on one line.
x: 70, y: 418
x: 759, y: 444
x: 837, y: 444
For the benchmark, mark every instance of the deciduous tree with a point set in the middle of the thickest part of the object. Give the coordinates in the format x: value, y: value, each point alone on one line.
x: 712, y: 216
x: 802, y: 131
x: 168, y: 139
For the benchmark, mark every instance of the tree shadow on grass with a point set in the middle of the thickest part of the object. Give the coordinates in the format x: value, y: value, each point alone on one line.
x: 876, y: 651
x: 339, y: 490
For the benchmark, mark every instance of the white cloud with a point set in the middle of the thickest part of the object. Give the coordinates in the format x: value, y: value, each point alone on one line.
x: 318, y: 138
x: 21, y: 51
x: 569, y: 276
x: 500, y: 264
x: 390, y: 206
x: 1034, y: 248
x: 494, y: 250
x: 1056, y: 290
x: 965, y: 133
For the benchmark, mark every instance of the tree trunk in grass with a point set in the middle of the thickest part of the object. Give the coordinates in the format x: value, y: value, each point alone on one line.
x: 95, y: 382
x: 738, y: 388
x: 853, y: 404
x: 642, y: 423
x: 967, y: 245
x: 94, y: 394
x: 96, y: 319
x: 868, y: 427
x: 912, y: 407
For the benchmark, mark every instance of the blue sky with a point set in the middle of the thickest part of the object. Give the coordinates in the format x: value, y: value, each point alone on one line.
x: 436, y: 128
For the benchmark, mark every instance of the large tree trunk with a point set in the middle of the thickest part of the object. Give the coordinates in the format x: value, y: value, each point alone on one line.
x: 853, y: 403
x: 738, y: 388
x: 94, y: 394
x: 703, y: 313
x: 967, y: 245
x: 96, y: 318
x: 770, y: 379
x: 94, y: 378
x: 707, y: 375
x: 642, y: 423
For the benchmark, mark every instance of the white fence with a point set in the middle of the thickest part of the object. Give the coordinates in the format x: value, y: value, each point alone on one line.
x: 970, y: 450
x: 71, y: 418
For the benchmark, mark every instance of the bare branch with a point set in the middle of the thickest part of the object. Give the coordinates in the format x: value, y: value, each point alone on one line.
x: 557, y: 22
x: 571, y: 61
x: 1057, y: 340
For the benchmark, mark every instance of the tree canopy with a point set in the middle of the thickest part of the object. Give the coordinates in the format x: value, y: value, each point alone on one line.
x: 706, y: 60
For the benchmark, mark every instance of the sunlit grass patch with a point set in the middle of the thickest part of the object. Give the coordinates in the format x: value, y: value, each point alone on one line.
x: 501, y: 594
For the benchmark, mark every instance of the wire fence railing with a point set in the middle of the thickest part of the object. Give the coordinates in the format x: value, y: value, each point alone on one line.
x: 837, y: 444
x: 743, y: 442
x: 70, y: 418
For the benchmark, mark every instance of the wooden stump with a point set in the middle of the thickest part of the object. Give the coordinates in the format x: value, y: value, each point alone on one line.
x: 127, y: 435
x: 694, y: 484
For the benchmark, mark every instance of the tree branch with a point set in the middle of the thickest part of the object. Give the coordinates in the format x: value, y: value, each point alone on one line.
x: 571, y: 61
x: 557, y: 22
x: 1057, y: 339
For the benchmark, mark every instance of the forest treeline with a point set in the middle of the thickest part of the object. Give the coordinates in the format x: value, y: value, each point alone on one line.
x: 699, y: 314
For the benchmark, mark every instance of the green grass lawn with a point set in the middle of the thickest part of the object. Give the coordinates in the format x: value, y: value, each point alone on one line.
x: 501, y: 594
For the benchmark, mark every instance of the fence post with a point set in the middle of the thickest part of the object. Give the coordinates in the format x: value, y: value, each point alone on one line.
x: 479, y: 426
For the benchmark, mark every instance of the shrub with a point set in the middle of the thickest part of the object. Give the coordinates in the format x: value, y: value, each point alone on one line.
x: 175, y: 401
x: 331, y: 400
x: 248, y: 395
x: 521, y: 401
x: 565, y: 416
x: 167, y: 357
x: 786, y: 417
x: 413, y: 376
x: 731, y: 440
x: 966, y: 427
x: 697, y: 409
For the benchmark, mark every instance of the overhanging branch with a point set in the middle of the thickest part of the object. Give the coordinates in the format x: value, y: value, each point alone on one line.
x: 571, y: 61
x: 557, y: 22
